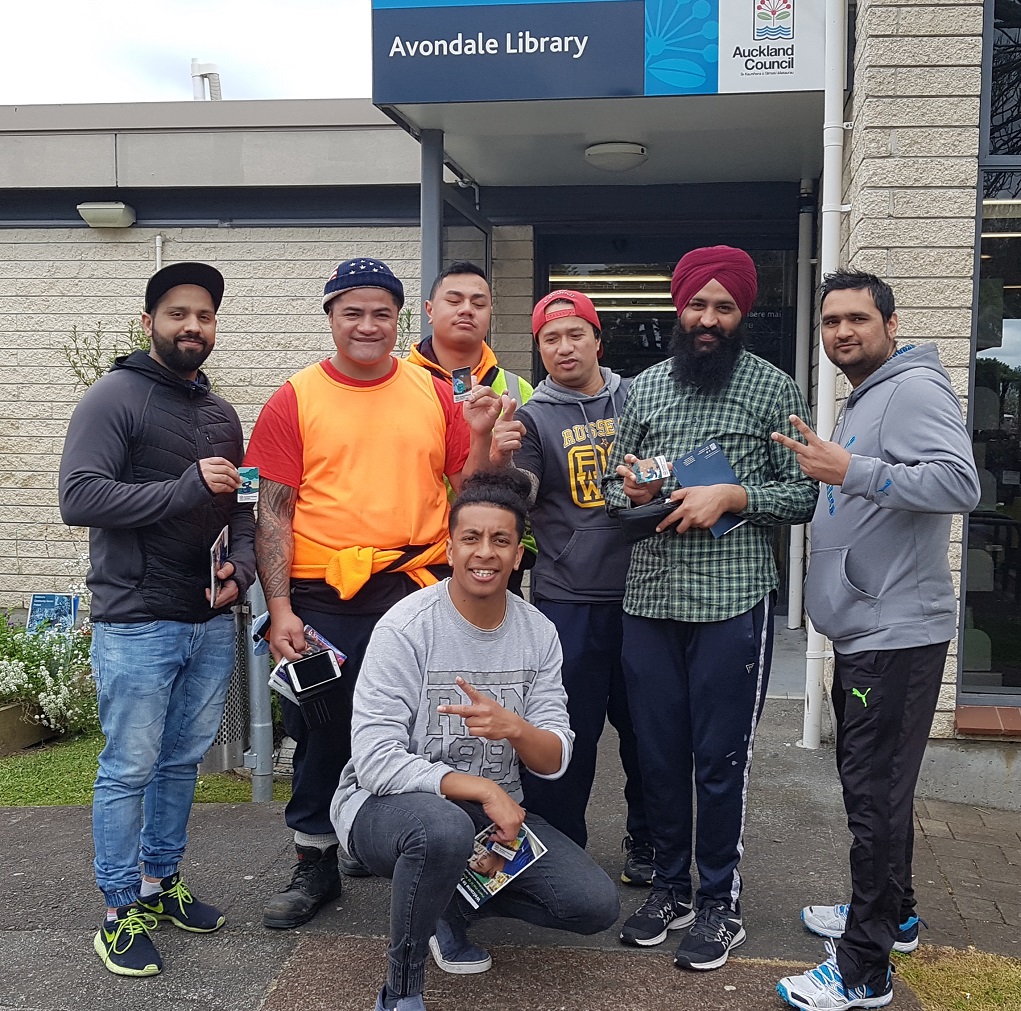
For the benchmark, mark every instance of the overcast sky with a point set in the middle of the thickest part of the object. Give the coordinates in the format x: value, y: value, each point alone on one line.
x: 126, y: 51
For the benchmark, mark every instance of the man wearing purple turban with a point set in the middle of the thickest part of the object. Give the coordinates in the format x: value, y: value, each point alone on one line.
x: 698, y: 622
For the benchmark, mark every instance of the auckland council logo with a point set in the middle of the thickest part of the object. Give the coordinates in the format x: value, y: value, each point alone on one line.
x: 773, y: 19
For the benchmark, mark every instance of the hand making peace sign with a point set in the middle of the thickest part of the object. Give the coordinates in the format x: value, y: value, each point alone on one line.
x: 820, y: 460
x: 485, y: 717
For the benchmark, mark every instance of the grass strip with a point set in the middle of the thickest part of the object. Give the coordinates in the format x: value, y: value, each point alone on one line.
x: 63, y: 773
x: 948, y: 979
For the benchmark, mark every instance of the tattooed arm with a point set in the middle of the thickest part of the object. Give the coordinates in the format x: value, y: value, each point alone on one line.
x: 274, y: 549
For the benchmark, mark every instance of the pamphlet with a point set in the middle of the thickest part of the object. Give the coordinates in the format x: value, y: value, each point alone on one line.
x: 217, y: 559
x: 704, y: 466
x: 493, y: 864
x: 655, y: 468
x: 249, y: 490
x: 461, y: 379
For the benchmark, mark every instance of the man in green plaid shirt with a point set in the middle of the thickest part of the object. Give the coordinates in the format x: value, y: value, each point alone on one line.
x: 698, y: 622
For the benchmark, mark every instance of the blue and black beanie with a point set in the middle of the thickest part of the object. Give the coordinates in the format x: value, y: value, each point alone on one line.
x: 363, y: 272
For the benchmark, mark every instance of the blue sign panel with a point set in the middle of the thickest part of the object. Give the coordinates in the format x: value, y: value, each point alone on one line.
x: 681, y: 50
x: 508, y: 51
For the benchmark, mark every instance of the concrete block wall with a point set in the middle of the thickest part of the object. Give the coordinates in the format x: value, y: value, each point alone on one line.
x: 911, y: 178
x: 271, y: 324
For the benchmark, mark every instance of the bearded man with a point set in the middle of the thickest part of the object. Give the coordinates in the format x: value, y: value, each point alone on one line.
x: 698, y: 621
x: 150, y: 465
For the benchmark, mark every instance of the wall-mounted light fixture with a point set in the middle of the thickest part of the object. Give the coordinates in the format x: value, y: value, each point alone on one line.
x: 616, y: 156
x: 107, y: 214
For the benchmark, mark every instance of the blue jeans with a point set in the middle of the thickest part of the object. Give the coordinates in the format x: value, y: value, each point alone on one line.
x: 422, y: 841
x: 161, y: 688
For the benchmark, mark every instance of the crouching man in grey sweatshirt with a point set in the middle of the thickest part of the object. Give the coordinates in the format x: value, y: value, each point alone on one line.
x: 899, y: 465
x: 460, y: 685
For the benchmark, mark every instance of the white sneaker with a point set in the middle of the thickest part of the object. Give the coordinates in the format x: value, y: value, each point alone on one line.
x: 830, y: 921
x: 822, y: 989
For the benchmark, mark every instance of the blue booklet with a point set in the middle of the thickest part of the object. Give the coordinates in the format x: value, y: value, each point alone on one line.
x: 704, y: 466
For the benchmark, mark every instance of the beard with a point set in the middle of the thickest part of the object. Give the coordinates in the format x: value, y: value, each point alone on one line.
x: 180, y: 361
x: 707, y: 369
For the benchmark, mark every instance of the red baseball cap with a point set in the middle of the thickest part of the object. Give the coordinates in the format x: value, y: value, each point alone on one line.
x: 581, y: 306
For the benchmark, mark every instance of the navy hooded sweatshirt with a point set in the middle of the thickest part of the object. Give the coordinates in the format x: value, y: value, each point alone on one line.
x: 568, y: 436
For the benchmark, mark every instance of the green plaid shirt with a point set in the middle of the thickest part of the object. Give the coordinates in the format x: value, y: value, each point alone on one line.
x: 693, y: 576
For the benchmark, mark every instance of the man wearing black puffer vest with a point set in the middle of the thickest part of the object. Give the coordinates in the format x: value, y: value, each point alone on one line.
x: 150, y: 466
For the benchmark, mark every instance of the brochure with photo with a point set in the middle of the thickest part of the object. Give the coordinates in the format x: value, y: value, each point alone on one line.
x: 493, y: 865
x: 217, y: 559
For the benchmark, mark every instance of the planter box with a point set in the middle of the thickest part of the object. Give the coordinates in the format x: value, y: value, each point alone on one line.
x: 18, y: 729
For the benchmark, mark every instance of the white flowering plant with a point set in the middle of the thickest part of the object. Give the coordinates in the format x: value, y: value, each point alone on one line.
x: 49, y: 670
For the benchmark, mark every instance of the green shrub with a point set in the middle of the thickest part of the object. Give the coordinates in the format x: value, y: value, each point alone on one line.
x: 49, y: 668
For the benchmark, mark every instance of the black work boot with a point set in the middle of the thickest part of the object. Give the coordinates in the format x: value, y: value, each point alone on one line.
x: 315, y: 879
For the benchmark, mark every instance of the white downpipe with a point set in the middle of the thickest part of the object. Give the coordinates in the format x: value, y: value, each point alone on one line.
x: 159, y: 251
x: 835, y: 59
x: 802, y: 368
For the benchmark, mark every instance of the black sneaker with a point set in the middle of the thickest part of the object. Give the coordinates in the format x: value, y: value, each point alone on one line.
x: 125, y: 944
x: 176, y: 904
x: 716, y: 930
x: 315, y: 879
x: 638, y: 862
x: 352, y: 868
x: 660, y: 912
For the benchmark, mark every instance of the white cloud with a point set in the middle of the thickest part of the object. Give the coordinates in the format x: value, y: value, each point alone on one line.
x: 126, y: 51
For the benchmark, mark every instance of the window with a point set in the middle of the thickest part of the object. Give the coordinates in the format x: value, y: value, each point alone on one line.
x: 1005, y: 81
x: 992, y: 619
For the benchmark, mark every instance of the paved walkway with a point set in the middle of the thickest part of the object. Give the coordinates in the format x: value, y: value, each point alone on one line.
x: 968, y: 872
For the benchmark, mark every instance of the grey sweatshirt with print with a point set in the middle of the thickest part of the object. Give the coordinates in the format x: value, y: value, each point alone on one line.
x: 879, y: 577
x: 401, y: 744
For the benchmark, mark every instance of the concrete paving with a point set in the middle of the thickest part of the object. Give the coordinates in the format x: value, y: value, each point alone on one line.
x: 967, y: 874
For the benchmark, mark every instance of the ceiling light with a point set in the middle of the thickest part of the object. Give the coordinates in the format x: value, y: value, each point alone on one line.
x: 107, y: 214
x: 616, y: 156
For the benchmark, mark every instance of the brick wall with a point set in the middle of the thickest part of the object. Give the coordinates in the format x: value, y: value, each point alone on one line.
x: 271, y: 324
x: 911, y: 179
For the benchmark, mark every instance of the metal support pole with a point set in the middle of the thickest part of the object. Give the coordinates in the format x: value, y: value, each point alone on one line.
x: 431, y: 212
x: 802, y: 369
x: 259, y: 756
x: 835, y: 60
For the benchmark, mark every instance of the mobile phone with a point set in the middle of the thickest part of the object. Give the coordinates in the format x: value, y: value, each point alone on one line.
x: 313, y: 670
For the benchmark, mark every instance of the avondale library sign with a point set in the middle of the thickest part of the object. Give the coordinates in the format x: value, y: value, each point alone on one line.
x: 440, y: 51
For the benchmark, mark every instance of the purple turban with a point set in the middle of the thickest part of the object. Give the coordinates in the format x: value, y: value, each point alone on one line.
x: 733, y: 268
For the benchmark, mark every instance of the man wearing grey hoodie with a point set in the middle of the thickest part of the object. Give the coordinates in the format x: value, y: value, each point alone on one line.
x: 899, y: 465
x: 569, y: 426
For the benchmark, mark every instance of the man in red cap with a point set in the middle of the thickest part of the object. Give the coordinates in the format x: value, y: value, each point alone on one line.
x: 698, y: 622
x: 578, y: 580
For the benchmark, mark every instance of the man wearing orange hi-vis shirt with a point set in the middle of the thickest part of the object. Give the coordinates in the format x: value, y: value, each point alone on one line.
x: 352, y: 453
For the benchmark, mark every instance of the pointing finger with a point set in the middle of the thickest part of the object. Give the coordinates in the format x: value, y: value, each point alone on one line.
x: 508, y: 406
x: 788, y: 443
x: 804, y: 428
x: 470, y: 690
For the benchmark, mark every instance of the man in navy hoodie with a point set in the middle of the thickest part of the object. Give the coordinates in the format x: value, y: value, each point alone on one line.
x: 579, y: 574
x: 899, y: 465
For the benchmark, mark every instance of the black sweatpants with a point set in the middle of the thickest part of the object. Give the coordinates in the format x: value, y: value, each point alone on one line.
x: 322, y: 752
x: 884, y: 701
x: 696, y: 691
x: 591, y: 638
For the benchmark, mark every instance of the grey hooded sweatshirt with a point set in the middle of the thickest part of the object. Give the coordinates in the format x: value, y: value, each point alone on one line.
x: 568, y: 437
x: 879, y: 577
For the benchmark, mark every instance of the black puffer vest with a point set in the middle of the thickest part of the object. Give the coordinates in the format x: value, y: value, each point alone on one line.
x: 181, y: 422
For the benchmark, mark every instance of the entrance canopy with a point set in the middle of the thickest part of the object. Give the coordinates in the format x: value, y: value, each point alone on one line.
x: 689, y: 139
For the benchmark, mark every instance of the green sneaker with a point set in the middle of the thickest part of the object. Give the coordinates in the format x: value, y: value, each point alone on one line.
x: 176, y: 904
x: 125, y: 944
